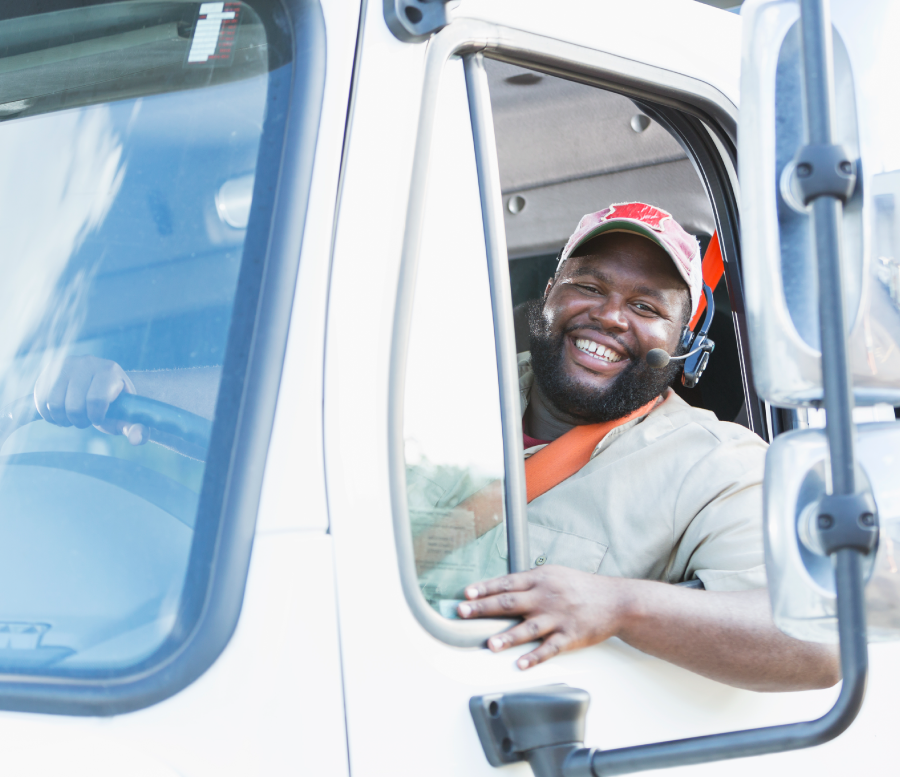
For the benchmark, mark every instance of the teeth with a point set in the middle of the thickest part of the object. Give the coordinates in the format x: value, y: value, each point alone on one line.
x: 597, y: 351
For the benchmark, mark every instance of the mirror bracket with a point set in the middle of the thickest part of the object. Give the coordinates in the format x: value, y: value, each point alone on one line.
x: 542, y: 726
x: 848, y: 521
x: 824, y: 171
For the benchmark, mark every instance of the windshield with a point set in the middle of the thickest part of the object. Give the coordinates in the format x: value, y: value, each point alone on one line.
x: 130, y: 137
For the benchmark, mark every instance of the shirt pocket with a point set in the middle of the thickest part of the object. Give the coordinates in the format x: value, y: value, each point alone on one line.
x: 552, y: 546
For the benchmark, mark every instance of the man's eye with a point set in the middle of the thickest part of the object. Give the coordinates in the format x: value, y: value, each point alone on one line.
x: 590, y: 289
x: 644, y: 308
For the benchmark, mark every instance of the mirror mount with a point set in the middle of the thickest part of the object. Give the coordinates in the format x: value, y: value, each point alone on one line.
x: 542, y: 726
x: 414, y: 21
x: 822, y: 170
x: 848, y: 521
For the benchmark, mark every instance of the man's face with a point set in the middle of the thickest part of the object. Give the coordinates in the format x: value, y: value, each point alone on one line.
x: 600, y: 317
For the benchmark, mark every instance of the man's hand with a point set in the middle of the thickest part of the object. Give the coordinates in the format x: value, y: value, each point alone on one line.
x: 80, y: 392
x: 564, y: 608
x: 729, y: 637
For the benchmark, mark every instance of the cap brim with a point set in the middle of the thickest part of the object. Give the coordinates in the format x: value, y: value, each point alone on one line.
x: 637, y: 229
x: 621, y: 226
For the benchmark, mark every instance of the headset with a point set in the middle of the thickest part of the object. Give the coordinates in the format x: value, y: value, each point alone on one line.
x: 698, y: 344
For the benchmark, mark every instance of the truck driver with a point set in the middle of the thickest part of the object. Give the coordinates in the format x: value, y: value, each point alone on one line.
x: 631, y: 488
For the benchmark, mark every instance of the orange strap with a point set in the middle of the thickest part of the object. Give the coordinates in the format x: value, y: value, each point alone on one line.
x: 566, y: 455
x: 713, y: 270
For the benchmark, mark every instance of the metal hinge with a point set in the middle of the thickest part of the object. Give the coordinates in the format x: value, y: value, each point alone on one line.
x: 413, y: 21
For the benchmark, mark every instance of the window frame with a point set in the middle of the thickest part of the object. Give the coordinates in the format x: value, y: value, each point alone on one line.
x: 247, y: 395
x: 709, y: 129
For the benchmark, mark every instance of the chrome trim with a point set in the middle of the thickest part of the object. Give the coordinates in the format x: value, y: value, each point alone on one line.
x: 596, y: 68
x: 501, y: 301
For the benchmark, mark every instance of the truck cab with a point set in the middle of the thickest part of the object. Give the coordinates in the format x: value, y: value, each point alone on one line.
x: 307, y: 230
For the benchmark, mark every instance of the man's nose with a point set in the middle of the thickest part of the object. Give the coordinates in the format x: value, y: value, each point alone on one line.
x: 610, y: 314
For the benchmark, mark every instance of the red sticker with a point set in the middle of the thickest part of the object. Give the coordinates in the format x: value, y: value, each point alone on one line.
x: 638, y: 211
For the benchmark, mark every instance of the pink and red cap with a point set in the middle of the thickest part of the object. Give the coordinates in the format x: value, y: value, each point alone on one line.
x: 652, y: 223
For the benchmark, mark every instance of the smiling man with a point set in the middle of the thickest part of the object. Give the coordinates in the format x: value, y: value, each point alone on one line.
x: 659, y: 492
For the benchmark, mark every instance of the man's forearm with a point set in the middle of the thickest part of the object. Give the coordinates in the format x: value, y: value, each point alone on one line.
x: 727, y: 637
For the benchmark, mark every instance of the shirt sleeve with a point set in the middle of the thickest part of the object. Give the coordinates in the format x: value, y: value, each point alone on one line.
x: 719, y: 506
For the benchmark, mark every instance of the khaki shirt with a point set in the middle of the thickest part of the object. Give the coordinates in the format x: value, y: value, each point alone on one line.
x: 674, y: 495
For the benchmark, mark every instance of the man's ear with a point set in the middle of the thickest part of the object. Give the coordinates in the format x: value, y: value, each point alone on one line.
x: 548, y: 287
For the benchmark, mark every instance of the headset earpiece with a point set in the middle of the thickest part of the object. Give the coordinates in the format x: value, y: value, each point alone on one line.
x: 695, y: 364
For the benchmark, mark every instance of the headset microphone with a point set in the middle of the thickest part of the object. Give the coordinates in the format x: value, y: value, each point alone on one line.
x: 658, y: 359
x: 700, y: 344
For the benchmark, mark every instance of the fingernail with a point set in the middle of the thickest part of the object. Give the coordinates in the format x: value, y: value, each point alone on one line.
x: 523, y: 663
x: 472, y: 593
x: 464, y: 610
x: 495, y: 643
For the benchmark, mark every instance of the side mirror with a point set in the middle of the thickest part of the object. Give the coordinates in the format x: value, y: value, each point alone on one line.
x: 801, y: 575
x: 852, y: 181
x: 779, y: 260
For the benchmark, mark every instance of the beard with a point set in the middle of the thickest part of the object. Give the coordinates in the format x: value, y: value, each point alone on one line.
x: 634, y: 387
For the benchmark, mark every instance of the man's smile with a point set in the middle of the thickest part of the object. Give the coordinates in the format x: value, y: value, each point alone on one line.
x: 598, y: 351
x: 601, y: 358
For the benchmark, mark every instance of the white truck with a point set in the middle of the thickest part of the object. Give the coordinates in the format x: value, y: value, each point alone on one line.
x: 302, y: 228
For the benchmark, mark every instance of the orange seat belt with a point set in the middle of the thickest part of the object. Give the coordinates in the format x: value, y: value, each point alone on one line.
x: 566, y: 455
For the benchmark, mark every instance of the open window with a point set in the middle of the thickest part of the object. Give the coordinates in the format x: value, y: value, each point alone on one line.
x: 513, y: 150
x: 566, y: 149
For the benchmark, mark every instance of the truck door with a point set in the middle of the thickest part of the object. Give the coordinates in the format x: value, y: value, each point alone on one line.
x: 472, y: 155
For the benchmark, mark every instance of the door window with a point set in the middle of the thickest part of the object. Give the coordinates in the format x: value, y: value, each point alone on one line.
x: 452, y: 428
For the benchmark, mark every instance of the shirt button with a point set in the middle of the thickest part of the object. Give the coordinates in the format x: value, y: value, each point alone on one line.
x: 542, y: 559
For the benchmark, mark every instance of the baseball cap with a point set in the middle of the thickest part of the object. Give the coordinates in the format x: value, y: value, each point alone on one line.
x: 652, y: 223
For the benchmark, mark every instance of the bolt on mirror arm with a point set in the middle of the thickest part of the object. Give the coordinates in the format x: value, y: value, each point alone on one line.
x: 509, y: 725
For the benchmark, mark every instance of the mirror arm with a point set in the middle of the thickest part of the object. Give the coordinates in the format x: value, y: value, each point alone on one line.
x: 585, y: 762
x: 545, y: 726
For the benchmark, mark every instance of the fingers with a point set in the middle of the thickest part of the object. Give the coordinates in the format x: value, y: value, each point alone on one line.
x: 75, y: 408
x: 528, y: 631
x: 553, y: 645
x: 503, y: 605
x: 80, y: 390
x: 42, y: 388
x: 54, y: 401
x: 520, y: 581
x: 105, y: 387
x: 137, y: 434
